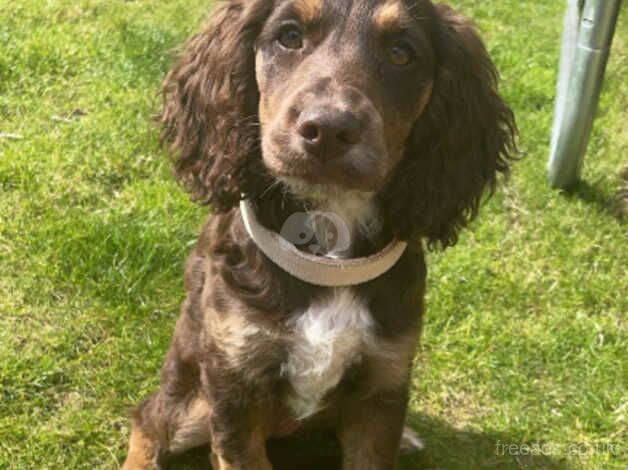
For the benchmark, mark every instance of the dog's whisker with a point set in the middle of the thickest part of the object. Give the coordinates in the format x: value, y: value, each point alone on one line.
x: 270, y: 187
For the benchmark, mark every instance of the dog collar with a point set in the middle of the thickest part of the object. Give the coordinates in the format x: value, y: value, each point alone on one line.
x: 318, y: 270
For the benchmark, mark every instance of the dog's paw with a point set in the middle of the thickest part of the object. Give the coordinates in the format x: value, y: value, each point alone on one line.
x: 411, y: 443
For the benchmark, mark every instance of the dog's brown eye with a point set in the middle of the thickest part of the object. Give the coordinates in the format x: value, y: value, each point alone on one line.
x: 291, y: 38
x: 400, y: 54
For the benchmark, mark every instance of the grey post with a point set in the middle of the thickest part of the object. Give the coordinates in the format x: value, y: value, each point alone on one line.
x: 589, y: 30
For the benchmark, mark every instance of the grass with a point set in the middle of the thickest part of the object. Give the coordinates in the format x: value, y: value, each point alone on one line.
x: 525, y: 339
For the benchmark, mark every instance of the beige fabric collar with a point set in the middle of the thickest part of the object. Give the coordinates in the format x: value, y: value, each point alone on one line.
x: 318, y: 270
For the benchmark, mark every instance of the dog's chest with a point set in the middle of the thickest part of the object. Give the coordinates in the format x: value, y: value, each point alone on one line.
x: 331, y: 335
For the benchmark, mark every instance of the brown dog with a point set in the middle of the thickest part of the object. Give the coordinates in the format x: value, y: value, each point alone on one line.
x: 382, y: 113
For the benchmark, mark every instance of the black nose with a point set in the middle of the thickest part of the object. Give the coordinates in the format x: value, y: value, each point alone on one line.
x: 328, y: 133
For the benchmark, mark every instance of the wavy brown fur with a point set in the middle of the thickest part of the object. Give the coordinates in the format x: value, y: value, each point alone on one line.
x: 459, y: 145
x: 226, y: 388
x: 210, y: 106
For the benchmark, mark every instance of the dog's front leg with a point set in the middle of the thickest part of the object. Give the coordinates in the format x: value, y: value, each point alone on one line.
x: 238, y: 439
x: 370, y: 431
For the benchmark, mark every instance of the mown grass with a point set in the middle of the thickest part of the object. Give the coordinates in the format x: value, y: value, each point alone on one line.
x: 525, y: 337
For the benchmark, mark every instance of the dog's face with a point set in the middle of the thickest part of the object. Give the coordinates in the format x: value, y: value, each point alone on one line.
x: 341, y: 84
x: 393, y: 97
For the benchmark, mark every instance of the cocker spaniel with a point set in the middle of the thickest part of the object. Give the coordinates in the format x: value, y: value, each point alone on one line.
x: 333, y: 140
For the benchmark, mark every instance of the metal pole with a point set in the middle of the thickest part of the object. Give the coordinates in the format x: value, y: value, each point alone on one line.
x: 580, y: 81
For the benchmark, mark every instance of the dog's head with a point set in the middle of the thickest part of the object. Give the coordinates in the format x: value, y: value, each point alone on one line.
x: 393, y: 97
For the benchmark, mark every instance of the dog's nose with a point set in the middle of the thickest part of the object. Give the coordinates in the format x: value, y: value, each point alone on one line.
x: 328, y: 133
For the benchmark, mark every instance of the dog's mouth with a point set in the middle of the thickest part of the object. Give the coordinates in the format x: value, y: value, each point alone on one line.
x: 360, y: 170
x: 313, y: 191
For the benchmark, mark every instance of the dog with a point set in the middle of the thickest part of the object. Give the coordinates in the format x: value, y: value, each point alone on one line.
x: 334, y: 140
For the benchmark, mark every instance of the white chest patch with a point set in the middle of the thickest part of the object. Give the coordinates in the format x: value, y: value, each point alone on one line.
x: 330, y: 335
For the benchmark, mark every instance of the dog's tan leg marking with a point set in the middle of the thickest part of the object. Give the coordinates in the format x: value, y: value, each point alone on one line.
x: 191, y: 428
x: 370, y: 432
x: 218, y: 463
x: 255, y: 458
x: 252, y: 453
x: 185, y: 425
x: 142, y: 452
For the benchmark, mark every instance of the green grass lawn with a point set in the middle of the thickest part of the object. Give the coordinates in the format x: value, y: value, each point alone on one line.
x: 526, y: 333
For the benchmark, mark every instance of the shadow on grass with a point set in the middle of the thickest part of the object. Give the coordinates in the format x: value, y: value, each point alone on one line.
x: 446, y: 449
x: 615, y: 206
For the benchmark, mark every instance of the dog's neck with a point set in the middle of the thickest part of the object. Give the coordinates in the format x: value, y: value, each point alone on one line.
x: 326, y: 221
x: 341, y: 220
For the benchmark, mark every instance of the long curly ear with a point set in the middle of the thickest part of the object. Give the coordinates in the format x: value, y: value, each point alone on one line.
x: 462, y: 140
x: 209, y: 116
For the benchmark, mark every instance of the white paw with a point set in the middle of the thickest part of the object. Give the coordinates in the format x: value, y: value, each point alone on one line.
x: 411, y: 443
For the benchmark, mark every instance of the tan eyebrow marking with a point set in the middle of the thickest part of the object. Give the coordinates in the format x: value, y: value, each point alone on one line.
x: 391, y: 15
x: 309, y: 11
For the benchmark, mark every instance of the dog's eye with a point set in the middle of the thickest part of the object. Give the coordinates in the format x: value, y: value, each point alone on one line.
x: 291, y: 37
x: 400, y: 54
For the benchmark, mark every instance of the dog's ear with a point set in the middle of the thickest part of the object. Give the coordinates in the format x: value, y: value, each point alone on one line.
x: 209, y: 115
x: 462, y: 140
